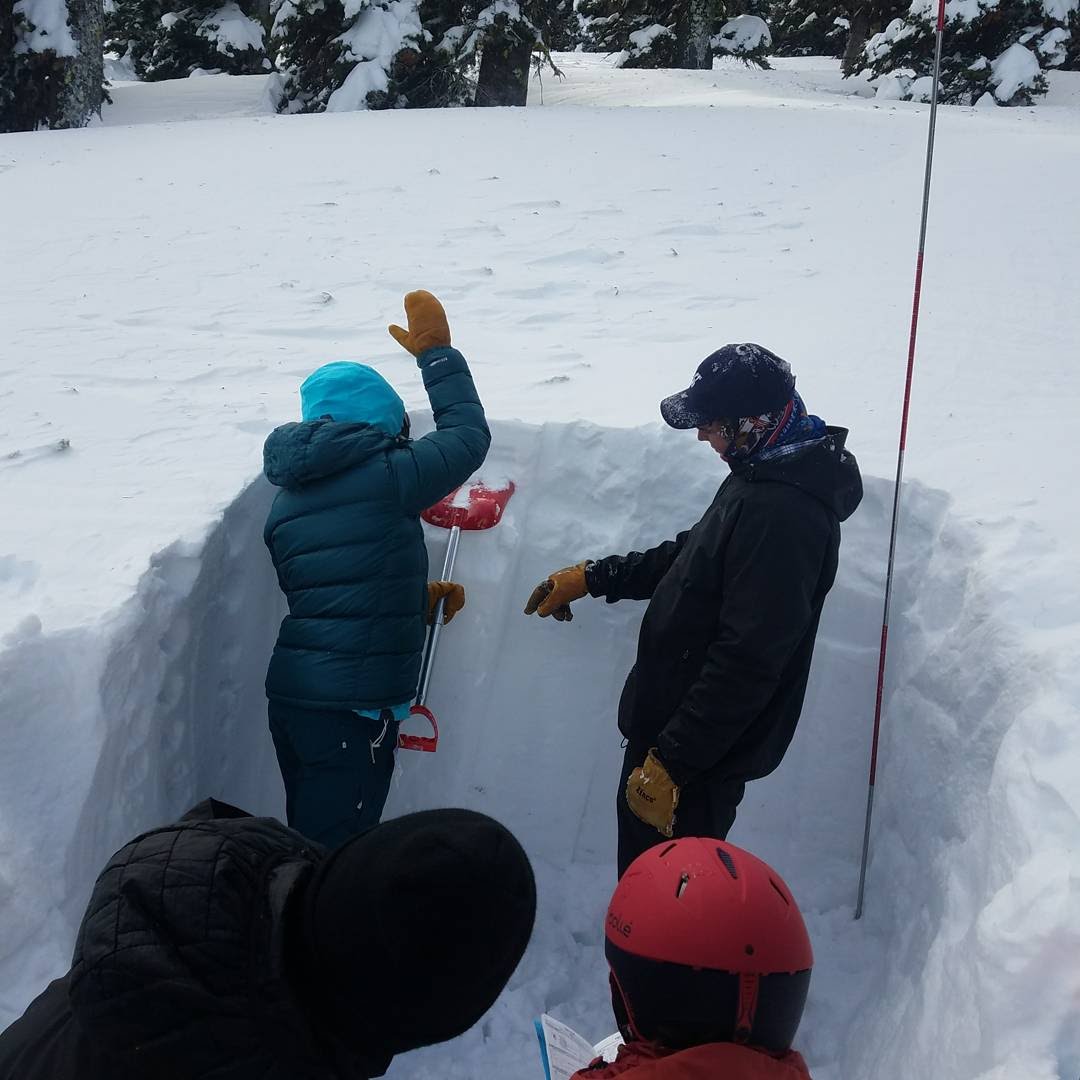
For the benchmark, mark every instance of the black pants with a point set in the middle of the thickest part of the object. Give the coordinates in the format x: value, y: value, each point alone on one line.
x: 337, y: 768
x: 706, y: 808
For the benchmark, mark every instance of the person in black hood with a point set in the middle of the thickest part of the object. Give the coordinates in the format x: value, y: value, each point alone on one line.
x: 734, y: 603
x: 231, y: 947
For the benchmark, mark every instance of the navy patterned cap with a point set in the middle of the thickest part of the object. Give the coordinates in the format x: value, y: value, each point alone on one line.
x: 736, y: 381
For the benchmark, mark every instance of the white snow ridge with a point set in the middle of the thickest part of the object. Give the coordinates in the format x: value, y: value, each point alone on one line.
x: 160, y: 312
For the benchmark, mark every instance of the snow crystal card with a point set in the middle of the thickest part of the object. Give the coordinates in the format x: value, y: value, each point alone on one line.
x: 564, y: 1052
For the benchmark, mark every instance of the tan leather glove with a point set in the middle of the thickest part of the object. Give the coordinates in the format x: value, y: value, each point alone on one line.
x: 652, y: 795
x: 428, y: 327
x: 555, y: 595
x: 452, y: 592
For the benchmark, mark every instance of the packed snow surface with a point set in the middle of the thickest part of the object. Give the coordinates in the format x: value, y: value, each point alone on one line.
x: 161, y: 310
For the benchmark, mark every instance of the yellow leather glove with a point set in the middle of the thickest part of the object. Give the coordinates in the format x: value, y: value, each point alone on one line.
x: 452, y: 592
x: 428, y: 327
x: 555, y: 595
x: 652, y: 795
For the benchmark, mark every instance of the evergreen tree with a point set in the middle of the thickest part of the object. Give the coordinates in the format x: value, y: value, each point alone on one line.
x: 164, y: 39
x: 1059, y: 46
x: 867, y: 17
x: 496, y: 40
x: 747, y: 38
x: 341, y: 56
x: 51, y: 66
x: 635, y: 30
x: 840, y: 28
x: 653, y: 34
x: 565, y: 28
x: 995, y: 47
x: 411, y: 53
x: 805, y: 29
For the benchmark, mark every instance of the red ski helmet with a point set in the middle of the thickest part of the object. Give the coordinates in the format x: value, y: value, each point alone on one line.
x: 707, y: 944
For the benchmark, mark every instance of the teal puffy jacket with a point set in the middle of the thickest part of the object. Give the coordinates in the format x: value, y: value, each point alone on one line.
x: 348, y: 546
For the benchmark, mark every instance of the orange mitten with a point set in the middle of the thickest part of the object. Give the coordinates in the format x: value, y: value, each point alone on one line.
x: 428, y: 328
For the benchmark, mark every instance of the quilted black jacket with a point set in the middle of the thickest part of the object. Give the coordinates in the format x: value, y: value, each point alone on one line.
x: 178, y: 971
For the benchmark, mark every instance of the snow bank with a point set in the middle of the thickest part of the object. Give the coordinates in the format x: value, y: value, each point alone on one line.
x: 161, y: 704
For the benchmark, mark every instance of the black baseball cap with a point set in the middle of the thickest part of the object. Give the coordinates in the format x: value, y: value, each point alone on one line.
x: 735, y: 381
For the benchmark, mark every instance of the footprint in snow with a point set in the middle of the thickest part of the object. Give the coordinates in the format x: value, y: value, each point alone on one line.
x: 694, y: 229
x: 539, y: 292
x: 578, y: 256
x: 548, y: 204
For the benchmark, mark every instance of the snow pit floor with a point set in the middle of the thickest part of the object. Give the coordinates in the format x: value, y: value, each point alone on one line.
x: 175, y: 272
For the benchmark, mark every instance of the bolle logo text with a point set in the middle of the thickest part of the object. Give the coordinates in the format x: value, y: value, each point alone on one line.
x: 617, y: 925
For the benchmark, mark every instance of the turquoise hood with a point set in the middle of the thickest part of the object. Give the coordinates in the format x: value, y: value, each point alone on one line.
x: 352, y: 393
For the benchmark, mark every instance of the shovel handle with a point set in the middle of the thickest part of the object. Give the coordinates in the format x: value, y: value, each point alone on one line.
x: 437, y: 624
x: 428, y: 743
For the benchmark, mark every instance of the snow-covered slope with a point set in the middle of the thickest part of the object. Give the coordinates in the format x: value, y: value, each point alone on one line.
x: 168, y: 284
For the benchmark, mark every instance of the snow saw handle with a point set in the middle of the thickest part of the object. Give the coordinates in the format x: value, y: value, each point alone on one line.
x: 430, y: 743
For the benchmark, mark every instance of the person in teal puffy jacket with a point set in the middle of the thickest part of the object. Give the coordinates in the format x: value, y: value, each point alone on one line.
x: 345, y: 536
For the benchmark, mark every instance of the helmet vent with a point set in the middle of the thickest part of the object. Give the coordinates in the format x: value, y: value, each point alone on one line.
x: 780, y: 892
x: 684, y: 880
x: 668, y: 848
x: 729, y: 863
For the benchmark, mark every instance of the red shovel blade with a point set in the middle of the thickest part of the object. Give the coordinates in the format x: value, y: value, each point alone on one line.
x: 428, y: 743
x: 472, y: 509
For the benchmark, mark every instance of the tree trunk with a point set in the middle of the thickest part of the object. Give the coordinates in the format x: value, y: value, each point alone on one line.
x: 43, y: 90
x: 504, y: 72
x: 694, y: 35
x: 858, y: 35
x: 86, y: 71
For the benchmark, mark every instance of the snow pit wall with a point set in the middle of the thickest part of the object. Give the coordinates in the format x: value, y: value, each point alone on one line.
x: 119, y: 728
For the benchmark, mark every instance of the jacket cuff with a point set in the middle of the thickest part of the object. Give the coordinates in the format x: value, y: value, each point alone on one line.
x: 443, y: 356
x: 680, y: 774
x: 592, y: 579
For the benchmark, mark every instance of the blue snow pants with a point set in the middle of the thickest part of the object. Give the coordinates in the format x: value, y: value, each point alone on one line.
x: 337, y: 768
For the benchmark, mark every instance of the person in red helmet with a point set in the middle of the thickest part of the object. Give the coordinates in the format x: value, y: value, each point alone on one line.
x: 710, y: 967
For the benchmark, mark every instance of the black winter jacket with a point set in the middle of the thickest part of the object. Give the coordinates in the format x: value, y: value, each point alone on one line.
x: 725, y: 646
x: 178, y: 968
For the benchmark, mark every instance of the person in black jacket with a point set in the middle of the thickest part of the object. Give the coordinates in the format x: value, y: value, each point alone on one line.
x: 230, y: 947
x: 726, y: 642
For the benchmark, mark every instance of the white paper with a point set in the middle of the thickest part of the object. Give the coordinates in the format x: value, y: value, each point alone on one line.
x: 567, y: 1051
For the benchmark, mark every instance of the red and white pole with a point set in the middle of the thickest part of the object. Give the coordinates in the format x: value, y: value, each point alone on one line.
x: 940, y: 33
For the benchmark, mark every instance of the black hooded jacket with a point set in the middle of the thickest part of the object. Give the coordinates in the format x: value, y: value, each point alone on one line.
x: 725, y: 645
x: 178, y: 971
